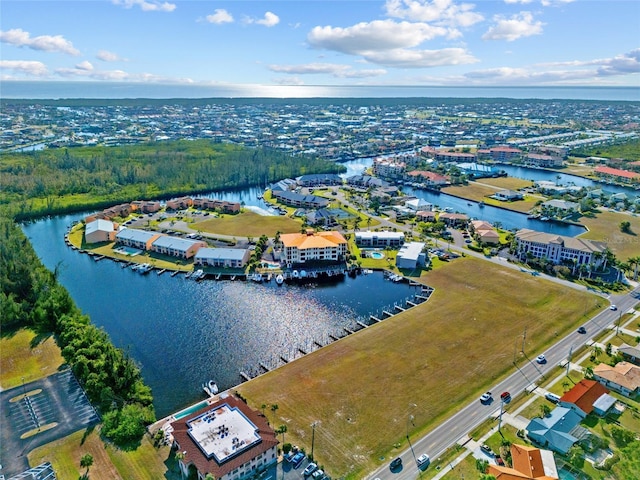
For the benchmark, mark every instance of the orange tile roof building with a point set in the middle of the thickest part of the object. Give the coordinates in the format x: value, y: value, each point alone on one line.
x: 623, y: 378
x: 623, y: 176
x: 583, y: 395
x: 529, y: 463
x: 227, y: 439
x: 303, y: 247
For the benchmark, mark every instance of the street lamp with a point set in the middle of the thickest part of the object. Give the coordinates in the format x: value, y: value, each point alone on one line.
x: 410, y: 420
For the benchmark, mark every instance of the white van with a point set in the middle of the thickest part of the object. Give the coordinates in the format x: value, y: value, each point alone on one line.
x: 552, y: 397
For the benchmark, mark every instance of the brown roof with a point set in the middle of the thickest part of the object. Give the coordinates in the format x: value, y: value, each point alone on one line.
x: 617, y: 172
x: 584, y: 394
x: 625, y: 374
x: 527, y: 464
x: 205, y: 465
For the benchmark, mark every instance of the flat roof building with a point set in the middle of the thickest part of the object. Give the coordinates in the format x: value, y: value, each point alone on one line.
x: 222, y: 257
x: 411, y: 255
x: 379, y: 239
x: 177, y: 247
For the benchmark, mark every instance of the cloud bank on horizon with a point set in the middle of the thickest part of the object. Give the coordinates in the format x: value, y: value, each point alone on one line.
x: 324, y: 42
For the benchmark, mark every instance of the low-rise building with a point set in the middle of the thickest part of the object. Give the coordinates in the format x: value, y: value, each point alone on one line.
x: 454, y: 219
x: 379, y: 239
x: 177, y: 247
x: 298, y: 200
x: 226, y: 439
x: 426, y: 216
x: 543, y: 161
x: 484, y: 232
x: 329, y: 246
x: 507, y: 195
x: 140, y: 239
x: 624, y: 378
x: 582, y: 397
x: 145, y: 206
x: 629, y: 353
x: 179, y: 203
x: 100, y: 231
x: 222, y: 257
x: 529, y: 463
x: 559, y: 249
x: 319, y: 179
x: 218, y: 205
x: 617, y: 175
x: 411, y: 255
x: 430, y: 179
x: 558, y: 431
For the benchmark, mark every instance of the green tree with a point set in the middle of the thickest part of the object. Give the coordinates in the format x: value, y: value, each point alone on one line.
x: 85, y: 462
x: 545, y: 410
x: 625, y: 227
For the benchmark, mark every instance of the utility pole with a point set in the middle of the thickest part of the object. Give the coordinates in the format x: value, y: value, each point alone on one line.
x: 313, y: 436
x: 524, y: 337
x: 569, y: 360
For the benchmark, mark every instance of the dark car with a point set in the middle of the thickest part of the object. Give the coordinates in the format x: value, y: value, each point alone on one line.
x: 582, y: 330
x: 395, y: 463
x: 506, y: 397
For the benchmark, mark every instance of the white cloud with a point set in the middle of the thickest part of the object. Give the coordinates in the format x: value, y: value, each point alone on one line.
x: 619, y: 65
x: 46, y: 43
x: 439, y: 12
x: 373, y: 36
x: 335, y: 70
x: 269, y: 20
x: 31, y: 68
x: 510, y: 29
x: 545, y: 3
x: 147, y: 5
x: 404, y: 58
x: 85, y: 65
x: 107, y: 56
x: 291, y: 81
x: 219, y: 17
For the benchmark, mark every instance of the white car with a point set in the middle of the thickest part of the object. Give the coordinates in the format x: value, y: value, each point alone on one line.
x: 312, y: 467
x: 613, y: 307
x: 423, y: 460
x: 485, y: 397
x: 541, y: 359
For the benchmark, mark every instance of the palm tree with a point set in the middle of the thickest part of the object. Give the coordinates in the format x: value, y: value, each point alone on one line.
x: 180, y: 457
x: 596, y: 351
x: 281, y: 429
x: 85, y: 462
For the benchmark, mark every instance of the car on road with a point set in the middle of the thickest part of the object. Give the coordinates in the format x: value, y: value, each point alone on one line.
x: 312, y: 467
x: 541, y: 359
x: 506, y: 397
x: 423, y: 461
x: 613, y: 307
x: 582, y: 330
x: 297, y: 459
x: 486, y: 397
x: 395, y: 463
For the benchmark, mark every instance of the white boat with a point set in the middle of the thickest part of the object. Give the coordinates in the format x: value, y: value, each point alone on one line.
x: 279, y: 279
x: 256, y: 277
x: 295, y: 274
x: 144, y: 268
x: 210, y: 388
x: 197, y: 275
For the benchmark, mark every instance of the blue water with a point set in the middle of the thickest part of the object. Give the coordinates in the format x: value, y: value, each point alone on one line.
x: 80, y: 89
x: 193, y: 408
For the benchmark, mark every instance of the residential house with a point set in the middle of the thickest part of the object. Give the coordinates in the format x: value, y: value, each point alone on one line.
x: 485, y: 233
x: 298, y: 200
x: 558, y: 431
x: 379, y: 239
x: 177, y: 247
x: 563, y: 206
x: 624, y: 378
x: 418, y: 204
x: 140, y: 239
x: 582, y: 396
x: 226, y: 439
x: 529, y: 463
x: 629, y: 353
x: 100, y: 231
x: 328, y: 246
x: 559, y: 249
x: 507, y: 195
x: 430, y: 179
x: 321, y: 216
x: 222, y: 257
x: 454, y: 219
x: 426, y: 216
x: 411, y: 255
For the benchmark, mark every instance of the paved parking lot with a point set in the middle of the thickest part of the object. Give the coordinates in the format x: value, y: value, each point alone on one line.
x: 55, y: 400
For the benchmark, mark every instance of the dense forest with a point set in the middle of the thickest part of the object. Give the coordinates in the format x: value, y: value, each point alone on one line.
x: 56, y: 180
x: 53, y: 181
x: 629, y: 151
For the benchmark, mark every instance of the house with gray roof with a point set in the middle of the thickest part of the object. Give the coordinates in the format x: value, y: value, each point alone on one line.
x: 411, y: 255
x: 177, y: 247
x: 558, y: 431
x: 99, y: 231
x: 629, y: 353
x: 298, y: 200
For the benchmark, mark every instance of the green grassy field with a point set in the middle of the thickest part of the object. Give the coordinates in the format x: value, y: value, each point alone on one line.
x: 480, y: 192
x: 248, y: 224
x: 25, y: 356
x: 437, y: 350
x: 605, y: 227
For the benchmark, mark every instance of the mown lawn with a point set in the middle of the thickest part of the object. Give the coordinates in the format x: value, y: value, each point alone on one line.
x: 24, y: 355
x: 479, y: 192
x: 605, y: 227
x: 109, y: 463
x: 361, y: 388
x: 506, y: 183
x: 248, y: 224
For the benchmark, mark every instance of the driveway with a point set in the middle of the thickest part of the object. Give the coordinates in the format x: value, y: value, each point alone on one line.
x: 57, y: 401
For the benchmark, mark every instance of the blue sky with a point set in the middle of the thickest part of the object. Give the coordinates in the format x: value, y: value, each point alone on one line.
x: 324, y: 42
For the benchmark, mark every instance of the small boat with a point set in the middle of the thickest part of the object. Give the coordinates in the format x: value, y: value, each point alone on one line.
x: 295, y: 274
x: 197, y: 275
x: 210, y: 388
x: 481, y: 204
x: 256, y: 277
x: 279, y: 279
x: 144, y: 268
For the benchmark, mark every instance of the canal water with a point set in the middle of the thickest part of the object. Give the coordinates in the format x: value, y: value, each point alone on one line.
x: 183, y: 333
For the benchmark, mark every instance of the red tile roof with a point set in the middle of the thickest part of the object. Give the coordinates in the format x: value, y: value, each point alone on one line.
x: 584, y: 394
x: 617, y: 172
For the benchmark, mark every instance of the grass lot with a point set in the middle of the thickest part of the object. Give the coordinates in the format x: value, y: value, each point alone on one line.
x: 24, y: 355
x: 434, y: 351
x: 506, y: 183
x: 109, y: 463
x: 480, y: 192
x: 605, y: 227
x: 248, y: 224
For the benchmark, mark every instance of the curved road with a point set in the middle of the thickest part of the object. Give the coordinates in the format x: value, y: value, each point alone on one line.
x: 473, y: 414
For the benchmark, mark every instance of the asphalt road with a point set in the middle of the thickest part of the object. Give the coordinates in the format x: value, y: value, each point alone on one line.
x: 525, y: 374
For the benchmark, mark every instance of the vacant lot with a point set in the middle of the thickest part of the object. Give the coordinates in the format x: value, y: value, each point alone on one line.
x: 26, y: 357
x: 436, y: 356
x: 605, y: 227
x: 248, y: 224
x: 506, y: 183
x: 480, y: 192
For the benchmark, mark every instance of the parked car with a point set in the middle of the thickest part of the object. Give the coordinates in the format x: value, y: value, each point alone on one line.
x: 423, y: 461
x: 541, y: 359
x: 318, y: 474
x: 289, y: 455
x: 486, y: 397
x: 486, y: 449
x: 297, y: 459
x: 552, y: 397
x: 582, y: 330
x: 312, y: 467
x: 395, y: 463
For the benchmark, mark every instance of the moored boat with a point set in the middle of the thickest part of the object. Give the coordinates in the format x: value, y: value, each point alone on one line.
x: 279, y: 279
x: 210, y: 388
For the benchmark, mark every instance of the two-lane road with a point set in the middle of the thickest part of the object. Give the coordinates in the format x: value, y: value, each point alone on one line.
x: 525, y: 374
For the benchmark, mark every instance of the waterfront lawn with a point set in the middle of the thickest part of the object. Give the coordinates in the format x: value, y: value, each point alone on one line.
x: 248, y: 224
x: 605, y: 227
x: 437, y: 356
x: 146, y: 462
x: 506, y: 183
x: 480, y: 193
x: 25, y: 355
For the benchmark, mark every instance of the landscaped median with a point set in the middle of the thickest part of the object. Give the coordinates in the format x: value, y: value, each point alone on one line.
x: 437, y: 356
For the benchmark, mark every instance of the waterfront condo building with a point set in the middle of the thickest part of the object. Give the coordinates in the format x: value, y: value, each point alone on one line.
x: 328, y: 246
x: 226, y: 439
x: 559, y: 249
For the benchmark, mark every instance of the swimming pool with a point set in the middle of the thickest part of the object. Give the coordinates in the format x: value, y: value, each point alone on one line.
x: 377, y: 255
x: 190, y: 410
